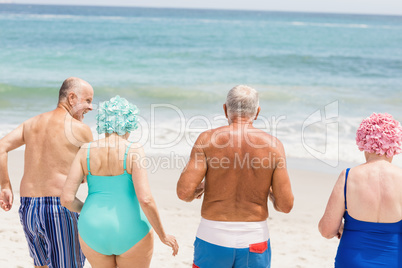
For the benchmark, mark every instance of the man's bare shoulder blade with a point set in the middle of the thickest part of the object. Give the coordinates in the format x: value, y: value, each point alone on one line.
x: 205, y: 136
x: 273, y: 141
x: 80, y: 127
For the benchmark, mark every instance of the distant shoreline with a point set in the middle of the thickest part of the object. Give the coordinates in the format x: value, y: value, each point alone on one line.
x: 211, y: 9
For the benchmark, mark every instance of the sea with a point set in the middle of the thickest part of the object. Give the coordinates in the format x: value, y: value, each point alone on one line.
x: 318, y: 75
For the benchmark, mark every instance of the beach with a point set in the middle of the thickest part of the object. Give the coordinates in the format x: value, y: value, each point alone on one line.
x: 295, y: 239
x: 318, y: 76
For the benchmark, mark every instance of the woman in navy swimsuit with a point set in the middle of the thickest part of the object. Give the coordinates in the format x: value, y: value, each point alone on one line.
x: 369, y: 199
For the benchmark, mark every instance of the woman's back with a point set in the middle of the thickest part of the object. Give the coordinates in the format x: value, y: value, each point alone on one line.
x: 114, y: 231
x: 111, y: 220
x: 372, y: 234
x: 368, y: 197
x: 107, y: 157
x: 374, y: 192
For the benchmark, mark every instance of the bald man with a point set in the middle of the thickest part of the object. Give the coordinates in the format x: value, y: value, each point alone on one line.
x: 52, y: 140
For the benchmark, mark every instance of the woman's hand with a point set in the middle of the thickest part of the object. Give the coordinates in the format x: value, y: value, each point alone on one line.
x: 340, y: 232
x: 170, y: 241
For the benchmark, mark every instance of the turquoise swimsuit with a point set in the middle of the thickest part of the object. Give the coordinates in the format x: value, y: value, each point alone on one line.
x: 112, y: 221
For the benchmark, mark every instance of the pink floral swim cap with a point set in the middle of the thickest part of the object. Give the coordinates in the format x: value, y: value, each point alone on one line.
x: 380, y: 134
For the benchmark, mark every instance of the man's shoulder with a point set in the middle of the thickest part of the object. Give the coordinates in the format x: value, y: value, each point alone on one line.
x: 208, y: 134
x: 81, y: 131
x: 215, y: 131
x: 80, y: 126
x: 38, y: 119
x: 263, y: 136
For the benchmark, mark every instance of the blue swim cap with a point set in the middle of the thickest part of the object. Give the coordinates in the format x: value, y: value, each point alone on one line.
x: 116, y: 115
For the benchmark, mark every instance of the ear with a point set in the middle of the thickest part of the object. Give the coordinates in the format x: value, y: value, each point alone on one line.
x: 226, y: 110
x: 71, y: 98
x: 258, y: 111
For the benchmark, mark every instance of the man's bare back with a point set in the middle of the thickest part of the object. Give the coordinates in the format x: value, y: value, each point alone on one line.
x: 240, y: 174
x: 242, y: 166
x: 239, y: 163
x: 51, y: 144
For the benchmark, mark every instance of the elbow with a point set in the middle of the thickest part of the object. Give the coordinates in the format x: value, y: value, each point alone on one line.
x: 66, y: 201
x: 287, y: 209
x: 146, y: 201
x: 184, y: 195
x: 287, y: 206
x: 325, y: 231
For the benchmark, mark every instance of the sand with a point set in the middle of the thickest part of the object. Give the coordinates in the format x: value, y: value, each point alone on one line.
x: 295, y: 239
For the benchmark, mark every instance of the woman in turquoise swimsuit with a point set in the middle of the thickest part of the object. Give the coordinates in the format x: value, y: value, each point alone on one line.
x: 116, y: 218
x: 369, y: 199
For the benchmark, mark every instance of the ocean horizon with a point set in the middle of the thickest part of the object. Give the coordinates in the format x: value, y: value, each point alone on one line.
x: 10, y: 2
x: 318, y: 74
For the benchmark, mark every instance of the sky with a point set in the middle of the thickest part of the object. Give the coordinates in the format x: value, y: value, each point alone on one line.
x: 391, y: 7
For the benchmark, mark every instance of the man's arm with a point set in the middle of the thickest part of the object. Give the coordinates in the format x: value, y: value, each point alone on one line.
x: 189, y: 185
x: 10, y: 142
x: 281, y: 191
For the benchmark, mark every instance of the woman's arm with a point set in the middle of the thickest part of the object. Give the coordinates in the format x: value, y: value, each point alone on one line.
x: 330, y: 224
x: 146, y: 199
x: 73, y: 182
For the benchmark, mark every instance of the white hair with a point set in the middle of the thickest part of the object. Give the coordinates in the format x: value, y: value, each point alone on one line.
x: 242, y: 101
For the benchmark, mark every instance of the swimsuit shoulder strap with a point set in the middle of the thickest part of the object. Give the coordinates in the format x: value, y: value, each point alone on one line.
x: 88, y: 165
x: 346, y: 181
x: 125, y: 156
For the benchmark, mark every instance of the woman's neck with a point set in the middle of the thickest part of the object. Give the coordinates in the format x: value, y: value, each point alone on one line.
x: 372, y: 157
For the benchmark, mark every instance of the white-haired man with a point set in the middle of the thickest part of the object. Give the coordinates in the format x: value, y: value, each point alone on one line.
x: 52, y: 140
x: 242, y: 166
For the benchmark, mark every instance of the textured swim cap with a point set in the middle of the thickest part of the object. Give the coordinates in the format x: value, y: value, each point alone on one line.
x: 117, y: 115
x: 380, y: 134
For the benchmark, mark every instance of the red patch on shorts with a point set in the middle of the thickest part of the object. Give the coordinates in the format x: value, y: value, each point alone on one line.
x: 259, y: 247
x: 195, y: 266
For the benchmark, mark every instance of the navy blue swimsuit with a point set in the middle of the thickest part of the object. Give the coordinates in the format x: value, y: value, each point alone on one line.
x: 369, y: 244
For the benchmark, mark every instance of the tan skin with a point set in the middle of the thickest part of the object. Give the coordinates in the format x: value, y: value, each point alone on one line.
x: 52, y: 140
x: 107, y: 158
x: 243, y: 167
x: 374, y: 194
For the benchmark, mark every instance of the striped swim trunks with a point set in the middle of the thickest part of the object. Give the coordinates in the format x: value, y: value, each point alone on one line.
x: 51, y: 232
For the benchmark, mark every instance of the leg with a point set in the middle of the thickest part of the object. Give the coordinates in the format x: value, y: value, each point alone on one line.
x: 96, y: 259
x: 208, y: 255
x: 258, y: 256
x: 34, y: 236
x: 139, y: 256
x: 60, y: 231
